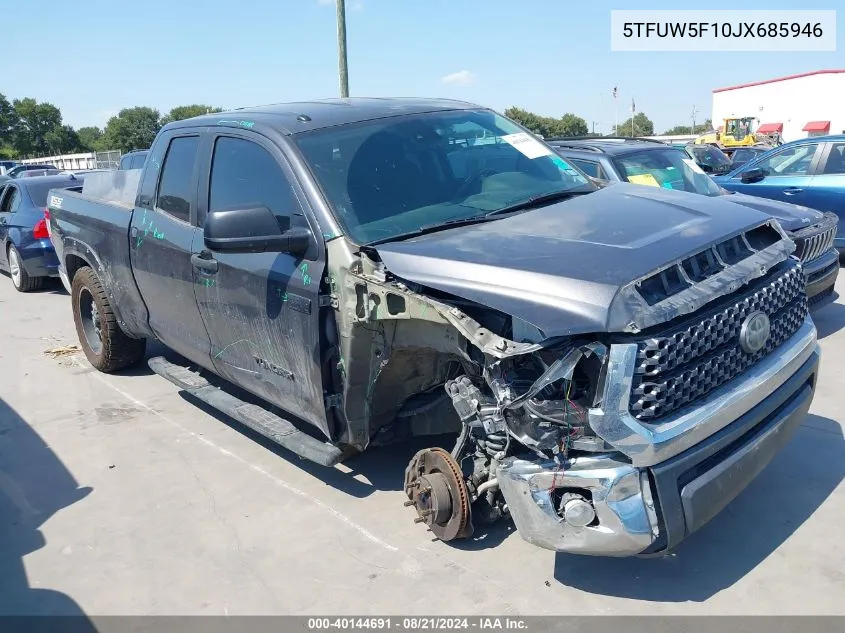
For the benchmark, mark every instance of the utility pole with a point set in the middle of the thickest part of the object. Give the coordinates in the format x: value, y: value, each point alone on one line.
x: 341, y: 48
x: 594, y: 128
x: 694, y: 112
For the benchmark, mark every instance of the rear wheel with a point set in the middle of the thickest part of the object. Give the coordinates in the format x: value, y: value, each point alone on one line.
x: 105, y: 345
x: 21, y: 280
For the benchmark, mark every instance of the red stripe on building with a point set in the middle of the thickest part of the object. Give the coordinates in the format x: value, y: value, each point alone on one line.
x: 771, y: 81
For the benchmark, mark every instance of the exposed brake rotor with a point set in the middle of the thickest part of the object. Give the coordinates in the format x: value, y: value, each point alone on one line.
x: 435, y: 487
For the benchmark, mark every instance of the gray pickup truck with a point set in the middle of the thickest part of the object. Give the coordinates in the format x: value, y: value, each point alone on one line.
x: 617, y: 363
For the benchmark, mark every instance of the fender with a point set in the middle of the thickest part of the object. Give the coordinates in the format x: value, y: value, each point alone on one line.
x: 121, y: 294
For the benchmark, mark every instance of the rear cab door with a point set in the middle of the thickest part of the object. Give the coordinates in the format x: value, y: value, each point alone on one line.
x: 827, y: 192
x: 262, y: 310
x: 161, y: 242
x: 4, y: 228
x: 10, y: 201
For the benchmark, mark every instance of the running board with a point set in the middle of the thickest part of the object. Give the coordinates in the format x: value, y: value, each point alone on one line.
x: 255, y: 417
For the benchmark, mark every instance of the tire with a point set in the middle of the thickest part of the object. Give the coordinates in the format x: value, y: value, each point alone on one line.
x: 106, y: 346
x: 21, y: 280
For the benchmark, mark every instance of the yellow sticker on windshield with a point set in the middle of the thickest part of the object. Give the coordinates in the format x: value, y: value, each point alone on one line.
x: 644, y: 179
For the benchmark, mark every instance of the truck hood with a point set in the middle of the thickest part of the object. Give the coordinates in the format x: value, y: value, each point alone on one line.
x: 792, y: 217
x: 560, y: 267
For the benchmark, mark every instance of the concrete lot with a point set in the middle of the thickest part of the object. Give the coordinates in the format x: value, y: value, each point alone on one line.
x: 119, y: 496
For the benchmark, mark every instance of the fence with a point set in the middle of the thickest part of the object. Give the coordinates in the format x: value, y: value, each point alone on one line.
x: 85, y: 160
x: 678, y: 138
x: 108, y: 160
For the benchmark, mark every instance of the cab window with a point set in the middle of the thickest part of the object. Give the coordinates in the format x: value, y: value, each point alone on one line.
x: 11, y: 200
x: 792, y: 161
x: 589, y: 167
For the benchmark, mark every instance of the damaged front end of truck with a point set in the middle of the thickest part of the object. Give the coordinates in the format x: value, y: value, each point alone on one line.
x: 548, y: 432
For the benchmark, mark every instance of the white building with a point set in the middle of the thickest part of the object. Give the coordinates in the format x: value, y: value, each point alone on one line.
x: 797, y: 106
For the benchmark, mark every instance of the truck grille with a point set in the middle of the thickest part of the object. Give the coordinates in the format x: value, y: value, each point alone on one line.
x: 816, y: 240
x: 676, y: 367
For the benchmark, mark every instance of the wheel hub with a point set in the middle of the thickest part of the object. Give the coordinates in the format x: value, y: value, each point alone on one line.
x: 435, y: 487
x: 14, y: 265
x: 95, y: 320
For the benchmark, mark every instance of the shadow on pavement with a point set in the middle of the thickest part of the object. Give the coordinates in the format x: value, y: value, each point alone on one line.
x: 829, y: 319
x: 752, y: 527
x: 52, y: 286
x: 382, y: 468
x: 34, y: 485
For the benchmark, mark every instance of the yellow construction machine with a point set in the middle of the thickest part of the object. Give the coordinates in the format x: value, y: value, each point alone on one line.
x: 737, y: 132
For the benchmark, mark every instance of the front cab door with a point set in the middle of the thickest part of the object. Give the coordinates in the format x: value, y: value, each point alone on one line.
x: 161, y: 243
x: 785, y: 174
x: 261, y: 309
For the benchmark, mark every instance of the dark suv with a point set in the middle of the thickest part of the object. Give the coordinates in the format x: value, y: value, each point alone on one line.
x: 134, y: 159
x: 649, y: 162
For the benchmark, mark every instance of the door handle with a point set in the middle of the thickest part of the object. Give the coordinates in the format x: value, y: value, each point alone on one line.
x: 204, y: 262
x: 792, y: 190
x: 133, y: 232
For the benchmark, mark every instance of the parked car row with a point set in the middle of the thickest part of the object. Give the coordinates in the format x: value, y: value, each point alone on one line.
x: 27, y: 253
x: 23, y: 171
x: 656, y: 164
x: 616, y: 361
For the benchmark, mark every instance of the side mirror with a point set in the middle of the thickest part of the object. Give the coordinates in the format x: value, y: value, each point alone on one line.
x: 254, y: 230
x: 752, y: 175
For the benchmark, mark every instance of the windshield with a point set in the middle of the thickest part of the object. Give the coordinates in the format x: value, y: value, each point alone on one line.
x: 392, y: 176
x: 667, y: 168
x: 711, y: 156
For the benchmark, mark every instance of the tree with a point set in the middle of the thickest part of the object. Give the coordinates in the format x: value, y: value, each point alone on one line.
x: 567, y: 125
x: 132, y: 128
x: 188, y: 111
x: 643, y: 126
x: 8, y: 121
x: 62, y: 139
x: 687, y: 129
x: 90, y: 139
x: 35, y: 121
x: 571, y: 125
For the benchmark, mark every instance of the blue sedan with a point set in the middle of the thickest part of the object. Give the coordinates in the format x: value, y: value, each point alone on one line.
x: 809, y: 172
x: 26, y: 252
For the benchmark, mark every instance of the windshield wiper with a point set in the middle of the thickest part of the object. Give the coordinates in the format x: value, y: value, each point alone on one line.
x: 430, y: 228
x: 533, y: 202
x: 538, y: 201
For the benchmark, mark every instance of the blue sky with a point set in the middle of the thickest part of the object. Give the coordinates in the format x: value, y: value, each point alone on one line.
x: 94, y: 57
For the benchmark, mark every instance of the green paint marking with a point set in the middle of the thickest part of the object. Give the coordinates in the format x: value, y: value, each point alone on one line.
x: 159, y: 235
x: 243, y: 340
x: 306, y: 278
x: 424, y: 310
x: 245, y: 124
x: 281, y: 294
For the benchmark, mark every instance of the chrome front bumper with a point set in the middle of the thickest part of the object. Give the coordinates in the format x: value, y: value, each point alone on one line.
x: 648, y: 444
x: 656, y: 490
x: 626, y: 522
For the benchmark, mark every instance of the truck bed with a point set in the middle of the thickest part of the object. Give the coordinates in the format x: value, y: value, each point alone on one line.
x: 92, y: 229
